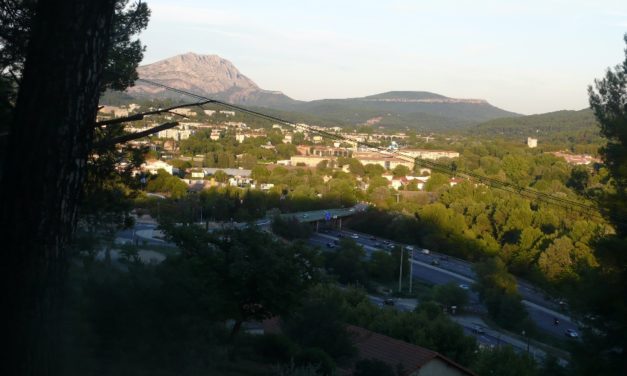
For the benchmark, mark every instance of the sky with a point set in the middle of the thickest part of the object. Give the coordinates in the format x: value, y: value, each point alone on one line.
x: 523, y: 56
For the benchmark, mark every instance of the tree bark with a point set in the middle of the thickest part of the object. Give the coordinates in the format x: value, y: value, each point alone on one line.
x: 43, y: 171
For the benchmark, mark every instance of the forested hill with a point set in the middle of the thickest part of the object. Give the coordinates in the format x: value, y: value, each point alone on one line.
x: 549, y: 124
x: 419, y: 110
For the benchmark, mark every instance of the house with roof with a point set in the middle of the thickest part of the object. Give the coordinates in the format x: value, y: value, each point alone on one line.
x: 407, y: 359
x: 454, y: 181
x: 411, y: 360
x: 153, y: 167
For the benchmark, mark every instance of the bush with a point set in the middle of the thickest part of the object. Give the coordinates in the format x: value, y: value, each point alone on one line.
x: 450, y: 295
x: 276, y: 348
x: 318, y: 358
x: 291, y: 228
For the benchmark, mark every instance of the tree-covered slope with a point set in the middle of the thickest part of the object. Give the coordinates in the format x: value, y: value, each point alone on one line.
x: 541, y: 124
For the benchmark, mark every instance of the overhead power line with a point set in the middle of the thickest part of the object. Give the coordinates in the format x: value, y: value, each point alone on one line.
x: 438, y: 167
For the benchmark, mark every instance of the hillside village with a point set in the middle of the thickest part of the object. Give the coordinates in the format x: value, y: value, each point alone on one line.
x: 305, y: 145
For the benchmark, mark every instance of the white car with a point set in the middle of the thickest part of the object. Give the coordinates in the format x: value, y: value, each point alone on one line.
x: 464, y: 286
x: 409, y: 248
x: 355, y: 236
x: 571, y: 333
x: 425, y: 251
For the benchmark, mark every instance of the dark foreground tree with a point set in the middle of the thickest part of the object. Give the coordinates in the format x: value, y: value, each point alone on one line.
x: 43, y: 171
x: 602, y: 295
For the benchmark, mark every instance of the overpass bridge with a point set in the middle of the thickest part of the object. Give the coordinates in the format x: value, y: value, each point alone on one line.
x: 332, y: 217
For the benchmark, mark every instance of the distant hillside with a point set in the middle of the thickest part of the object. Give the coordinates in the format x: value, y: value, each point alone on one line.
x: 217, y: 78
x: 402, y: 109
x: 548, y: 124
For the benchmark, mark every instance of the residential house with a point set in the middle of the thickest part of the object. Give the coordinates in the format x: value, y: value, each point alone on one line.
x: 407, y: 359
x: 404, y: 358
x: 576, y: 159
x: 308, y: 160
x: 429, y: 154
x: 215, y: 135
x: 387, y: 160
x: 154, y: 166
x: 454, y: 181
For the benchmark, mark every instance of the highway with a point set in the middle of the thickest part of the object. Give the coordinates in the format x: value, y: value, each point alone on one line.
x: 541, y: 310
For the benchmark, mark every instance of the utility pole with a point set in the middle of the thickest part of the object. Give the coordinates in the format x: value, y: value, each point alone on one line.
x: 411, y: 270
x: 400, y: 274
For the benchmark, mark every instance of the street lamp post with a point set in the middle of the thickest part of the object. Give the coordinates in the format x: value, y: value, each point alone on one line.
x: 411, y: 270
x: 400, y: 274
x: 527, y: 340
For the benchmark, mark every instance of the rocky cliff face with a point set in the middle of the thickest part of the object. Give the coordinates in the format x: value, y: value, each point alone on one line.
x: 208, y: 75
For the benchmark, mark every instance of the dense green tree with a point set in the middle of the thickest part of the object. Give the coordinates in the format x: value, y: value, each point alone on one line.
x: 607, y: 100
x: 49, y: 45
x: 291, y: 228
x: 166, y: 183
x: 436, y: 181
x: 348, y: 263
x: 259, y: 277
x: 220, y: 176
x: 373, y: 170
x: 498, y: 290
x: 330, y: 333
x: 579, y: 179
x: 382, y: 266
x: 450, y: 294
x: 504, y: 361
x: 400, y: 171
x: 603, y: 289
x: 556, y: 262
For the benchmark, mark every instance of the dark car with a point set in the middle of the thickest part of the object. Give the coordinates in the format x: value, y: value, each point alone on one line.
x: 373, y: 238
x: 388, y: 302
x: 435, y: 262
x: 330, y: 245
x: 444, y: 258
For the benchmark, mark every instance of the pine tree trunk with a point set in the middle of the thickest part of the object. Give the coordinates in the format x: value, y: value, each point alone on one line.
x: 43, y: 172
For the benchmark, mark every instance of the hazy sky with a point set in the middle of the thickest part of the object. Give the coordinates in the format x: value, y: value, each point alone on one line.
x: 523, y: 56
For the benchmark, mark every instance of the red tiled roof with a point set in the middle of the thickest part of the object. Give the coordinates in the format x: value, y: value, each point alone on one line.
x: 371, y: 345
x: 392, y: 351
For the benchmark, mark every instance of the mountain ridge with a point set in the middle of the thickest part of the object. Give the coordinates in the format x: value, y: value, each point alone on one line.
x: 218, y: 78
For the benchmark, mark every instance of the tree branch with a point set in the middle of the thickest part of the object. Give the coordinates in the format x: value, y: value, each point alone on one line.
x: 143, y: 114
x: 135, y: 136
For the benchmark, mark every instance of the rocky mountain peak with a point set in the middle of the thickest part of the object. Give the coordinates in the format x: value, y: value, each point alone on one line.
x: 204, y: 74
